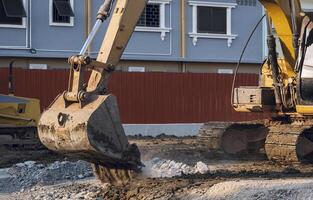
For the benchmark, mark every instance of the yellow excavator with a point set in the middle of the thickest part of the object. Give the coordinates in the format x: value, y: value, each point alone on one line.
x: 83, y: 122
x: 19, y: 117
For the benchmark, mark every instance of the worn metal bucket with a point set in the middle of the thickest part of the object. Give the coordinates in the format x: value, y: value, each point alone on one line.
x: 93, y: 133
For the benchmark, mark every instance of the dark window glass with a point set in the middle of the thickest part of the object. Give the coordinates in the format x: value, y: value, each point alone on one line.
x: 211, y: 20
x: 62, y: 11
x: 150, y: 16
x: 14, y: 8
x: 246, y: 2
x: 12, y: 12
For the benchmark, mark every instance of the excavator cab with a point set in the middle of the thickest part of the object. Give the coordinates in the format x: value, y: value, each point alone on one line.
x: 83, y: 122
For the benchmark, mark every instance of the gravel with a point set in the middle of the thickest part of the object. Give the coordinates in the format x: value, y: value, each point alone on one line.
x: 28, y: 174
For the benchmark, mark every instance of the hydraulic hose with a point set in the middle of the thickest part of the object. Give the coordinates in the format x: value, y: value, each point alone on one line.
x: 241, y: 56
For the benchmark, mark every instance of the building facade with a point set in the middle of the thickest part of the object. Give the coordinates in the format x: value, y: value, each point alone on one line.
x: 171, y: 35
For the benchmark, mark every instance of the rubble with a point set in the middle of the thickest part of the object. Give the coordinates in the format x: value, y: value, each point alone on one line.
x: 27, y: 174
x: 160, y: 168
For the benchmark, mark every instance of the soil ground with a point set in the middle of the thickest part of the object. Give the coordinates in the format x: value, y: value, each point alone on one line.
x: 227, y: 177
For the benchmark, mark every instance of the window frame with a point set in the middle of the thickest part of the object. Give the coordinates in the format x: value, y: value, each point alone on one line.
x: 51, y: 23
x: 158, y: 4
x: 212, y: 32
x: 229, y: 37
x: 24, y: 19
x: 163, y: 29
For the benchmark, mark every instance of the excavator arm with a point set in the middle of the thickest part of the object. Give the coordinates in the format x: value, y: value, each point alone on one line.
x: 83, y: 122
x: 123, y: 22
x: 121, y: 27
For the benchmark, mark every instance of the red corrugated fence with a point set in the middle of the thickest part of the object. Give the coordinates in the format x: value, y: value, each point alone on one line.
x: 147, y: 97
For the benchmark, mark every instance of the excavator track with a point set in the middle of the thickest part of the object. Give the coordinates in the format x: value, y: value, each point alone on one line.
x: 212, y: 133
x: 20, y: 138
x: 235, y: 138
x: 285, y: 140
x: 290, y: 143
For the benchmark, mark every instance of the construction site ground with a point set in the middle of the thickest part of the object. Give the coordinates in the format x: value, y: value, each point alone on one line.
x: 176, y: 168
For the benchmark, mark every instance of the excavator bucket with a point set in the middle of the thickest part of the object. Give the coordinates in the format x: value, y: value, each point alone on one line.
x: 92, y: 133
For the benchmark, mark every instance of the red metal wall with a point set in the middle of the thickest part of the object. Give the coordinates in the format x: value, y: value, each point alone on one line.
x: 147, y: 97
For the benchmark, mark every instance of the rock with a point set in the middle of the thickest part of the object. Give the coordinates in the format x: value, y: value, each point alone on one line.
x: 201, y: 168
x: 20, y: 165
x: 30, y: 164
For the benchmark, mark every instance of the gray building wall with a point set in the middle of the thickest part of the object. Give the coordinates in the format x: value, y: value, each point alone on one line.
x: 52, y: 44
x: 150, y: 66
x: 243, y: 21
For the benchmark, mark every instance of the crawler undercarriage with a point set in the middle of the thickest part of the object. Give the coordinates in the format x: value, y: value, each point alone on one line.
x: 284, y: 140
x: 20, y: 138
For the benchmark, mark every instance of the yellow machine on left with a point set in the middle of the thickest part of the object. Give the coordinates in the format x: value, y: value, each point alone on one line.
x: 19, y: 117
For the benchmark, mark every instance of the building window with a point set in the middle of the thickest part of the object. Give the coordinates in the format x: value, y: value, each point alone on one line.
x: 153, y: 18
x: 150, y: 16
x: 211, y: 20
x: 246, y: 2
x: 61, y: 12
x: 12, y: 13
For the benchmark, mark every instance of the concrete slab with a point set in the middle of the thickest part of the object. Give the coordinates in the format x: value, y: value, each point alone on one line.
x: 157, y: 129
